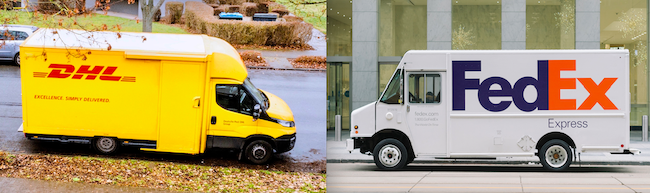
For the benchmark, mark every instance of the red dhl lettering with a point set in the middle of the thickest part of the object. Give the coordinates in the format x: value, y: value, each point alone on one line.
x: 104, y: 73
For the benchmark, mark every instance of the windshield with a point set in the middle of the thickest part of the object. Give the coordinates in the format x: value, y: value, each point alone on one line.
x: 392, y: 92
x: 256, y: 93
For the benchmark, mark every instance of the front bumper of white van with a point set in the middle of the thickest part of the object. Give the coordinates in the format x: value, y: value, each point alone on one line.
x: 349, y: 145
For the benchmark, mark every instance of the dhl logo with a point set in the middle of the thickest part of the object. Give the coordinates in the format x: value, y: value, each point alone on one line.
x: 67, y: 70
x: 548, y: 85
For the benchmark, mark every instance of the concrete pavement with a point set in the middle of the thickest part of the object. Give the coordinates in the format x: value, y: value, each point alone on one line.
x: 364, y: 177
x: 336, y: 153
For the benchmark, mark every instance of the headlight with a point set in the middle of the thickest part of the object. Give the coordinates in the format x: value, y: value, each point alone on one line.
x: 285, y: 123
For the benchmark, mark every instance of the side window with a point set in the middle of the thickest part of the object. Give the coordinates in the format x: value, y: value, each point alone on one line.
x: 424, y: 88
x: 234, y: 98
x: 19, y: 35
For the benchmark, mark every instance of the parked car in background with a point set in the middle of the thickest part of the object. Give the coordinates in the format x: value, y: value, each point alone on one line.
x: 11, y: 36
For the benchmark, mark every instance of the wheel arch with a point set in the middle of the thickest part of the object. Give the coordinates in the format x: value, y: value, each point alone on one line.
x: 554, y: 135
x: 252, y: 138
x: 395, y: 134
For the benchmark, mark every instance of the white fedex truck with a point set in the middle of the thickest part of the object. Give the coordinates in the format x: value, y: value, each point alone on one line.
x: 487, y: 104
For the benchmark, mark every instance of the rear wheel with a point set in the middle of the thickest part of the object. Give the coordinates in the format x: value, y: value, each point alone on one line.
x: 258, y: 152
x: 390, y: 154
x: 555, y: 155
x: 17, y: 59
x: 106, y: 145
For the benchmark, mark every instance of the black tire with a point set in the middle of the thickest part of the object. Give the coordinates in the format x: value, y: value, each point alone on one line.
x: 390, y: 154
x: 411, y: 158
x: 106, y: 145
x: 258, y: 152
x: 555, y: 155
x: 17, y: 59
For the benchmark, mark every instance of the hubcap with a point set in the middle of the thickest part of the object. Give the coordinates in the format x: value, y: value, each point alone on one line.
x: 389, y: 155
x: 258, y: 151
x: 556, y: 156
x: 106, y: 144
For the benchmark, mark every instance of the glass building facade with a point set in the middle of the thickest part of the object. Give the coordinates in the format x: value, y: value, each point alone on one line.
x: 366, y: 38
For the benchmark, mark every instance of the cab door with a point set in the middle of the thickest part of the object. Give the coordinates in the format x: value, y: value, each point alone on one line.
x: 425, y: 112
x: 390, y: 109
x: 231, y: 117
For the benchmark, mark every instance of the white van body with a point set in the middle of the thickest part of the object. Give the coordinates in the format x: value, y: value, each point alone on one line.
x: 488, y: 104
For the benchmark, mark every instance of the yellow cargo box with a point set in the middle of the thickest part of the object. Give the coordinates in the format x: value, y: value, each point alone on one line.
x: 162, y: 92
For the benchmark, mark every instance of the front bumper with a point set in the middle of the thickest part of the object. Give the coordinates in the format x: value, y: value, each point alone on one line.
x: 285, y: 143
x: 364, y: 144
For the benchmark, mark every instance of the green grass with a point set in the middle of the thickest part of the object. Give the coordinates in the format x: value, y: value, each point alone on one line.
x: 315, y: 14
x: 88, y: 22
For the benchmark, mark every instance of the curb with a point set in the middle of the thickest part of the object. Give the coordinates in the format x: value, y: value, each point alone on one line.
x: 293, y: 69
x: 638, y: 163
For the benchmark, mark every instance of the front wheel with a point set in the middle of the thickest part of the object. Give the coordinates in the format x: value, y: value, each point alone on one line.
x: 555, y: 155
x: 390, y: 154
x: 258, y: 152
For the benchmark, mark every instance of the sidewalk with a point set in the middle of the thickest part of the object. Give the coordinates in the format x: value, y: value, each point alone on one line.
x: 336, y: 153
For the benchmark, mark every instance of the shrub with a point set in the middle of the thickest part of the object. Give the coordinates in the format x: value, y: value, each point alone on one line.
x: 258, y: 1
x: 233, y: 8
x: 274, y: 5
x: 211, y: 1
x: 262, y: 7
x: 311, y: 59
x: 249, y: 9
x: 252, y: 56
x: 291, y: 18
x: 55, y: 6
x: 220, y: 9
x: 6, y: 4
x: 281, y: 12
x: 232, y: 2
x: 199, y: 18
x: 174, y: 10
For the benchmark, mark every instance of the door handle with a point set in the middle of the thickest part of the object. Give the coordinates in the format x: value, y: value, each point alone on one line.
x: 408, y: 108
x: 197, y: 102
x: 213, y: 120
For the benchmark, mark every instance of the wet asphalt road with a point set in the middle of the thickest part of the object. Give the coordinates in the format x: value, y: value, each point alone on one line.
x: 303, y: 91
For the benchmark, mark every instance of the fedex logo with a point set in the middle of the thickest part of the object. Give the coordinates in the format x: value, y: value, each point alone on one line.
x: 548, y: 85
x: 67, y: 70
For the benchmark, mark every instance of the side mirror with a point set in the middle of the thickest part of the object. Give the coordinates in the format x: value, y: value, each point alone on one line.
x: 257, y: 111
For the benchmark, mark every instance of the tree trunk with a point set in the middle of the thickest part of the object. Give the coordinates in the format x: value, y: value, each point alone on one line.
x: 148, y: 12
x: 147, y: 25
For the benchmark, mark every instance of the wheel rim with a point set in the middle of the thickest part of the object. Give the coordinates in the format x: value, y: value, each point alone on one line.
x: 556, y: 156
x: 389, y: 155
x: 258, y: 151
x: 18, y: 59
x: 106, y: 144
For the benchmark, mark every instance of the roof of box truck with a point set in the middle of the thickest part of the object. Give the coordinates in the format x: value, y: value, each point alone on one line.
x: 146, y: 46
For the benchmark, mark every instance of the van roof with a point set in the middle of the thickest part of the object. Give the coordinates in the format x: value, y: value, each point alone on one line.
x: 143, y: 46
x: 178, y: 44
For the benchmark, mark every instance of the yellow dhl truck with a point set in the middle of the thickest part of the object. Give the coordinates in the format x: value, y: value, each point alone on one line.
x: 161, y: 92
